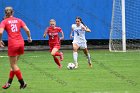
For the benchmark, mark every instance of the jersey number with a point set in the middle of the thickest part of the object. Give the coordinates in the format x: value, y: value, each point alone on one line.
x: 14, y: 28
x: 77, y: 32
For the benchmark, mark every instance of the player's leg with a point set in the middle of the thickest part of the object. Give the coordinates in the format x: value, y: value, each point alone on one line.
x: 55, y: 53
x: 18, y: 58
x: 9, y: 82
x: 12, y: 71
x: 11, y: 76
x: 75, y: 54
x: 16, y: 69
x: 12, y: 52
x: 60, y: 54
x: 86, y: 52
x: 18, y: 72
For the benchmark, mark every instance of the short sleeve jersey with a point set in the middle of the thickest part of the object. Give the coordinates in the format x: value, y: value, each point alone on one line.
x: 12, y: 26
x: 79, y: 33
x: 53, y: 34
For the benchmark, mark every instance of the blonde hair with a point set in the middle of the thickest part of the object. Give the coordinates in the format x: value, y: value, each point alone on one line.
x: 8, y: 11
x: 52, y: 20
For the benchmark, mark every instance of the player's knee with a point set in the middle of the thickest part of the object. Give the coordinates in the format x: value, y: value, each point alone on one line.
x: 14, y: 67
x: 74, y: 50
x: 52, y: 53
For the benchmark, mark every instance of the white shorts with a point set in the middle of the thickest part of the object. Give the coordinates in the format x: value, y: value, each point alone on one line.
x: 82, y: 45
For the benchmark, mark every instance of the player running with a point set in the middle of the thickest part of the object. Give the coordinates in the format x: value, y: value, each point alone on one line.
x: 12, y: 26
x: 79, y: 41
x: 54, y: 41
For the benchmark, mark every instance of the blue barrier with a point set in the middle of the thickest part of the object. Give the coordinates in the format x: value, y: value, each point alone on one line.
x: 96, y: 14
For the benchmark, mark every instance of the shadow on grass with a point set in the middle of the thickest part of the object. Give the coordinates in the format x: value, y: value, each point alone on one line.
x: 113, y: 72
x: 47, y: 74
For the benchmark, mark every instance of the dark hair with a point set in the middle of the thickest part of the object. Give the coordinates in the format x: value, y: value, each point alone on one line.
x: 80, y: 20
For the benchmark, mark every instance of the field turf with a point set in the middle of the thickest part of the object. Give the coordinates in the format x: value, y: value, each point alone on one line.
x: 111, y: 73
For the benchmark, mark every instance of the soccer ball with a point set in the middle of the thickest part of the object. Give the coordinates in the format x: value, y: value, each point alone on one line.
x: 71, y: 66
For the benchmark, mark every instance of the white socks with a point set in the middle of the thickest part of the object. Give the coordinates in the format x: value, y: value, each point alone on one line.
x: 88, y: 57
x: 75, y: 56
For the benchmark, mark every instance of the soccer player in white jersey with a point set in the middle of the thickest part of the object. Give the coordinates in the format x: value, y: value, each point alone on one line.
x: 79, y: 40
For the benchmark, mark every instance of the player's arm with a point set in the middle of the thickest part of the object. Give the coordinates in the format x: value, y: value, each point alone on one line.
x: 62, y: 36
x: 71, y: 33
x: 85, y: 28
x: 1, y: 42
x: 28, y: 33
x: 45, y: 33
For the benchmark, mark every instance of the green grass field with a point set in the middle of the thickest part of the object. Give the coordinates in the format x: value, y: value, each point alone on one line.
x: 111, y: 73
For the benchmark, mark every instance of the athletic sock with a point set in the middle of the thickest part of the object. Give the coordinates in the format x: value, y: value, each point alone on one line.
x: 19, y: 77
x: 18, y: 74
x: 75, y: 56
x: 11, y: 76
x: 57, y: 54
x: 88, y: 57
x: 56, y: 60
x: 21, y: 81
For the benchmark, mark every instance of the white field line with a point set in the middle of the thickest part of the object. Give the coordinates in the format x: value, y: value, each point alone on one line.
x: 29, y: 56
x: 3, y: 56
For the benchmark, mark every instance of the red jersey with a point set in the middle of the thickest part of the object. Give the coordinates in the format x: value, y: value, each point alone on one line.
x: 53, y: 34
x: 12, y: 26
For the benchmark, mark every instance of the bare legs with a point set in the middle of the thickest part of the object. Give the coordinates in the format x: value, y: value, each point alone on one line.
x: 14, y: 71
x: 75, y: 55
x: 55, y: 53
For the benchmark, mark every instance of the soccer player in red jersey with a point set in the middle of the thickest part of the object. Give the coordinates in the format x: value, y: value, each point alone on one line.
x: 54, y: 41
x: 12, y: 26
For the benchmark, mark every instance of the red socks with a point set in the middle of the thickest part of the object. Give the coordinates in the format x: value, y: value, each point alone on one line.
x: 57, y: 61
x: 18, y: 74
x: 11, y: 74
x: 57, y: 54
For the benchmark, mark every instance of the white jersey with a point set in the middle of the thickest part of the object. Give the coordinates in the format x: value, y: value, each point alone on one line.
x: 79, y: 33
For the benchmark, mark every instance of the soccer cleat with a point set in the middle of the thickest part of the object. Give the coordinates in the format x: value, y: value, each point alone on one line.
x: 23, y: 86
x: 6, y: 86
x: 60, y: 66
x: 61, y: 56
x: 90, y: 65
x: 76, y: 65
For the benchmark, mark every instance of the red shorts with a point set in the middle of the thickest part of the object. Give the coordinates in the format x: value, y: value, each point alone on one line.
x: 54, y: 46
x: 16, y: 50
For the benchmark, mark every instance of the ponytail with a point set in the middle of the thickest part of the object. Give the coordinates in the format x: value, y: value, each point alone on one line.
x: 87, y: 29
x: 81, y: 20
x: 83, y: 23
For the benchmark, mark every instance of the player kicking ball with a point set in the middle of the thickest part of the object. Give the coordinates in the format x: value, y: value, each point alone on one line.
x: 79, y: 40
x: 54, y: 41
x: 12, y: 26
